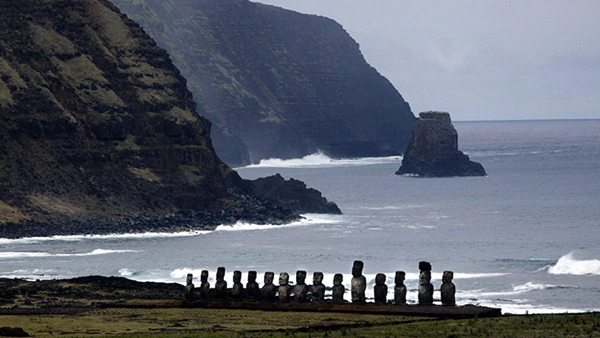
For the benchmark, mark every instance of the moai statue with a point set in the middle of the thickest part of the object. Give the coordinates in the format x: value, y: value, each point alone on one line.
x: 221, y: 285
x: 318, y: 289
x: 381, y: 289
x: 425, y: 286
x: 300, y: 289
x: 338, y: 289
x: 359, y: 283
x: 237, y: 292
x: 252, y: 290
x: 285, y: 290
x: 448, y: 289
x: 269, y: 290
x: 188, y: 294
x: 204, y: 286
x: 400, y: 288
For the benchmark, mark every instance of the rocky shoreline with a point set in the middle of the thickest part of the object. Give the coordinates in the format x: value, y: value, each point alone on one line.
x: 179, y: 222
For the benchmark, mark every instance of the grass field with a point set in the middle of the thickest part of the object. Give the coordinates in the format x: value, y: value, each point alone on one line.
x: 178, y: 322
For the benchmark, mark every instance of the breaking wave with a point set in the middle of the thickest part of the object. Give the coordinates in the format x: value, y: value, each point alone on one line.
x: 320, y: 160
x: 566, y: 265
x: 97, y: 252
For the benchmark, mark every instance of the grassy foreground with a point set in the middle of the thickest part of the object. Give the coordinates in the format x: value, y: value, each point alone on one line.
x: 177, y: 322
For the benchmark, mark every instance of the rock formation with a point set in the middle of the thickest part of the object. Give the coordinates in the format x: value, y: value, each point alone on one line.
x: 294, y: 195
x: 433, y: 150
x: 277, y: 83
x: 99, y: 133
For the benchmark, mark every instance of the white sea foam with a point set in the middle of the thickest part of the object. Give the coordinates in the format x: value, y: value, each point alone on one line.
x: 320, y: 160
x: 307, y: 219
x: 17, y: 255
x: 78, y: 238
x: 566, y: 265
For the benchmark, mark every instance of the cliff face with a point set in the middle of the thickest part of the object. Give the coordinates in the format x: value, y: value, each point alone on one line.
x: 433, y: 150
x: 276, y: 83
x: 95, y: 121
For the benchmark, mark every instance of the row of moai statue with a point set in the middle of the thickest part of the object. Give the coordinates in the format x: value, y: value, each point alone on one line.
x: 302, y: 293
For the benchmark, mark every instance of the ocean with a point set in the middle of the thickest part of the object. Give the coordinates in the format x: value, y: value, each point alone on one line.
x: 526, y: 238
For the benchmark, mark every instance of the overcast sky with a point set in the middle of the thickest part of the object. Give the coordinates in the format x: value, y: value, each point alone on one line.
x: 479, y: 60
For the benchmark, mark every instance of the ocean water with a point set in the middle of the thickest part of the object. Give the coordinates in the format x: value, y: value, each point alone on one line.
x: 526, y: 238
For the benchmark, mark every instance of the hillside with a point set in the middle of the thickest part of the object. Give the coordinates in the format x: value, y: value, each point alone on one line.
x: 96, y: 123
x: 276, y: 83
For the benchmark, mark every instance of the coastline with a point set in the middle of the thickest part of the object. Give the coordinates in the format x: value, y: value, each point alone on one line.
x: 89, y: 306
x: 183, y: 221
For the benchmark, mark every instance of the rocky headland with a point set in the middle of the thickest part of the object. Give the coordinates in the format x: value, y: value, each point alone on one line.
x: 277, y: 83
x: 294, y: 195
x: 433, y: 150
x: 99, y: 133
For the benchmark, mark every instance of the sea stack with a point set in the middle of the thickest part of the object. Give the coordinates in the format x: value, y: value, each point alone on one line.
x: 433, y: 150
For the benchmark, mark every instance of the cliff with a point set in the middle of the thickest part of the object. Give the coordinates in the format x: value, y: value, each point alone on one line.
x: 433, y: 150
x: 277, y: 83
x: 99, y: 133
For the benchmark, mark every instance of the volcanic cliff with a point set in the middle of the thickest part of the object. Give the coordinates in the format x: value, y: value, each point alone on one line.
x: 433, y: 150
x: 277, y: 83
x: 99, y: 133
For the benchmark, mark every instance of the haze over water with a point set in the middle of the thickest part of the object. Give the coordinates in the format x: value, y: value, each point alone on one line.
x: 525, y: 238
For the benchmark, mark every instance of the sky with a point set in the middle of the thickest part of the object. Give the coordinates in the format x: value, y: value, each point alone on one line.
x: 479, y: 59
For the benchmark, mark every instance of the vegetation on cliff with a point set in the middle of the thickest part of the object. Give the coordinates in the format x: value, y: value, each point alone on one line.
x: 97, y: 123
x: 277, y: 83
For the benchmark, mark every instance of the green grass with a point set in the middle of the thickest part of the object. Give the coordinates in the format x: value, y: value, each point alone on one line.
x: 180, y: 323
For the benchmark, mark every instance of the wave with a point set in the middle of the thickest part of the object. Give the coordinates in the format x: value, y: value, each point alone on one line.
x: 308, y: 219
x: 566, y: 265
x: 97, y: 252
x: 320, y: 160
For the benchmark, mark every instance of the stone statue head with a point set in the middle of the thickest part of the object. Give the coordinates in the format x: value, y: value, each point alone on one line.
x: 251, y: 276
x: 237, y: 276
x: 300, y: 277
x: 424, y: 277
x: 337, y: 279
x: 400, y: 276
x: 317, y: 278
x: 204, y: 276
x: 220, y: 274
x: 284, y: 278
x: 269, y: 276
x: 424, y: 266
x: 447, y: 277
x: 189, y: 278
x: 357, y: 268
x: 380, y: 279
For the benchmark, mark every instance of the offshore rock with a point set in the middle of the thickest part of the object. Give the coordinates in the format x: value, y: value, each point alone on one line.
x: 293, y: 195
x: 277, y: 83
x: 433, y: 150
